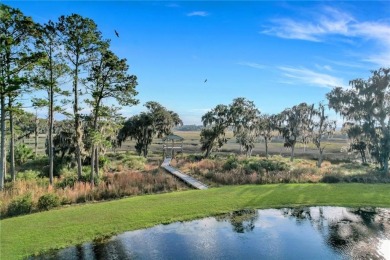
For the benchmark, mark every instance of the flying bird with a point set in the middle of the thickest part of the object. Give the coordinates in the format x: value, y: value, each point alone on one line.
x: 205, y: 80
x: 116, y: 33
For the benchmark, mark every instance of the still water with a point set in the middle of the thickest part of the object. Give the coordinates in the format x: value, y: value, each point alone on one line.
x: 290, y: 233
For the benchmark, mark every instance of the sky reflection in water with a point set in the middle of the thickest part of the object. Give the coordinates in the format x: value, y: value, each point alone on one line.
x: 298, y: 233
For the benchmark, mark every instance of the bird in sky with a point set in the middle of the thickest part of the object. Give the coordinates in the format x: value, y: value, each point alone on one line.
x: 116, y: 33
x: 205, y: 80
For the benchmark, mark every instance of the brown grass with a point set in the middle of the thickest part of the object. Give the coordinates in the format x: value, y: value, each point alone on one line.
x: 112, y: 185
x: 213, y: 173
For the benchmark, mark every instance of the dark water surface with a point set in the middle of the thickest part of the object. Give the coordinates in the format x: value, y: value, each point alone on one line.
x: 290, y: 233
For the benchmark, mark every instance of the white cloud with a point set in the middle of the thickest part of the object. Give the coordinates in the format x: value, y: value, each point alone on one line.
x: 252, y: 65
x: 306, y: 76
x: 333, y: 22
x: 324, y: 67
x: 198, y: 13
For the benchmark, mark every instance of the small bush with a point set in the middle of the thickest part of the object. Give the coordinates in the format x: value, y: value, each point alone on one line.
x: 22, y: 154
x: 260, y: 166
x: 134, y: 162
x: 231, y: 164
x: 86, y: 177
x: 48, y: 201
x: 330, y: 179
x: 103, y: 161
x: 68, y: 179
x: 20, y: 206
x: 194, y: 157
x: 27, y: 175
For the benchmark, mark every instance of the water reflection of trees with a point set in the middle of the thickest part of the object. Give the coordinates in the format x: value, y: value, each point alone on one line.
x: 351, y: 232
x: 242, y: 221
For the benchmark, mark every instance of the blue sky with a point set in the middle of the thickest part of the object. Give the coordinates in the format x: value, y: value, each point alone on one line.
x: 275, y: 53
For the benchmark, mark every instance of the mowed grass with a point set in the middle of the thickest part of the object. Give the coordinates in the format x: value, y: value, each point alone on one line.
x: 36, y: 233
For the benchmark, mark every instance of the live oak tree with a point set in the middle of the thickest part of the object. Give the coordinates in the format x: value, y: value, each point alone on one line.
x: 16, y: 57
x: 80, y: 39
x: 156, y: 122
x: 266, y: 129
x: 292, y: 123
x: 216, y: 122
x: 244, y: 119
x: 357, y: 138
x: 241, y: 115
x: 367, y: 103
x: 108, y: 79
x: 320, y: 128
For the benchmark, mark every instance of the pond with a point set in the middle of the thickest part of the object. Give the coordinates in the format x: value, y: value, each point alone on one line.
x: 289, y: 233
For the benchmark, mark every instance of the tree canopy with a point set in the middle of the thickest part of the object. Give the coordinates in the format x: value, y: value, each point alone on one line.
x: 156, y: 122
x: 367, y: 104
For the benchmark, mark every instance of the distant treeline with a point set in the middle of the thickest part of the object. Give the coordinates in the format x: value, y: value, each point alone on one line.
x: 189, y: 128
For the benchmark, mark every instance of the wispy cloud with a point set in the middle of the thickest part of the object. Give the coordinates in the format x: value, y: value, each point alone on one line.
x: 336, y: 23
x: 306, y: 76
x: 324, y: 67
x: 198, y: 13
x: 252, y: 65
x: 331, y: 22
x: 345, y: 64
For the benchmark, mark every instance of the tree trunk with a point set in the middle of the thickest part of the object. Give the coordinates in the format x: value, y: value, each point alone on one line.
x: 363, y: 155
x: 12, y: 143
x: 2, y: 142
x: 36, y: 135
x: 292, y: 152
x: 266, y: 147
x: 92, y: 165
x: 208, y: 150
x: 51, y: 145
x: 97, y: 161
x: 320, y: 158
x: 94, y: 151
x: 250, y: 152
x: 386, y: 166
x: 77, y: 124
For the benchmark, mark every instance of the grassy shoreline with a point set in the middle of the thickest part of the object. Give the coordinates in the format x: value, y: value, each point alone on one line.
x: 36, y: 233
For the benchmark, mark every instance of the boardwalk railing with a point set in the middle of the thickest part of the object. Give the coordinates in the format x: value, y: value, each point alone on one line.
x: 184, y: 177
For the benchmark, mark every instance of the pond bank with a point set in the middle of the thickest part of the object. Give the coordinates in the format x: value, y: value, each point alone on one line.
x: 36, y: 233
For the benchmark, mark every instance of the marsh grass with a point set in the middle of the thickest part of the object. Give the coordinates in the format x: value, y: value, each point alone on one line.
x: 238, y: 170
x: 111, y: 185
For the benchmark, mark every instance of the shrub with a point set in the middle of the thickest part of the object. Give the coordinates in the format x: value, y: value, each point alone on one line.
x: 259, y: 166
x: 20, y: 206
x: 134, y: 162
x: 27, y: 175
x: 86, y: 176
x: 269, y: 165
x: 330, y: 179
x: 231, y: 163
x: 48, y: 201
x: 254, y: 166
x: 37, y: 164
x: 194, y: 157
x: 68, y: 179
x: 22, y: 153
x: 103, y: 161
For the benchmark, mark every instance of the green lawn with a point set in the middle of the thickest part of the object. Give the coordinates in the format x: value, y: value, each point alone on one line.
x: 35, y: 233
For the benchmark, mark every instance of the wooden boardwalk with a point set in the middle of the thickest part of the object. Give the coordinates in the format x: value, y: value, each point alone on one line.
x: 184, y: 177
